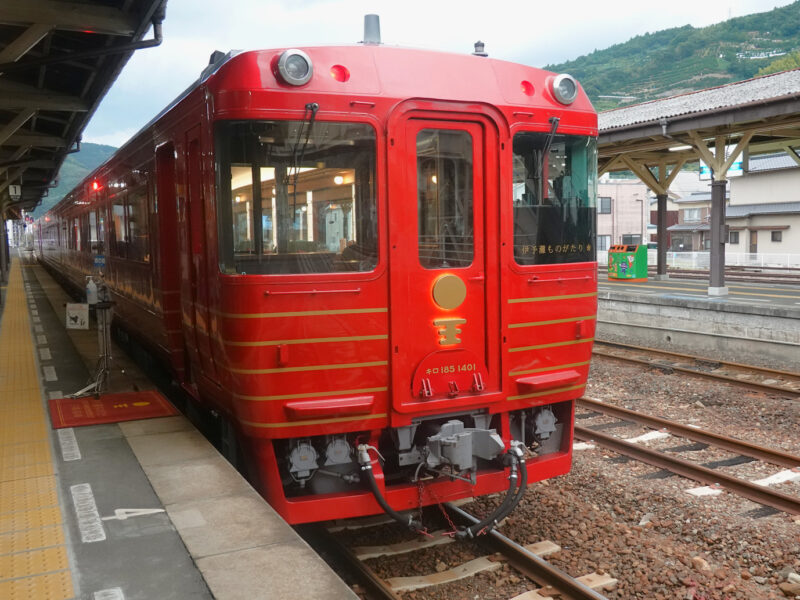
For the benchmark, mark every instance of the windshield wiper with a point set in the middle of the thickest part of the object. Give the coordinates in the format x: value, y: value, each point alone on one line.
x: 311, y: 107
x: 554, y: 121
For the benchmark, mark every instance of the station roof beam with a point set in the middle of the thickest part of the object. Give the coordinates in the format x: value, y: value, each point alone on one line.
x: 58, y: 59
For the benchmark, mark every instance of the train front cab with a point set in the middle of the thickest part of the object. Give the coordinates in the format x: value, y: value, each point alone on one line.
x: 432, y: 316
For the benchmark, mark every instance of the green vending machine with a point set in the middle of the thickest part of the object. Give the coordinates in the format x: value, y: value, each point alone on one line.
x: 628, y: 261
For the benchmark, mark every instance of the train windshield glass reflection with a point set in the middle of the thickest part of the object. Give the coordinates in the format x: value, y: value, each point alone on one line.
x: 314, y: 209
x: 554, y: 190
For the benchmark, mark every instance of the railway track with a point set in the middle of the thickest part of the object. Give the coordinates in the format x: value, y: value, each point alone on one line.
x: 785, y: 383
x: 785, y: 276
x: 546, y: 580
x: 755, y: 491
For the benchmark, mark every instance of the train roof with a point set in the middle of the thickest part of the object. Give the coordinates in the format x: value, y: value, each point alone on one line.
x: 385, y: 71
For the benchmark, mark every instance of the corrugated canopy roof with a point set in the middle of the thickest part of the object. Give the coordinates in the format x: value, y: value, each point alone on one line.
x: 769, y: 87
x: 58, y: 58
x: 764, y: 110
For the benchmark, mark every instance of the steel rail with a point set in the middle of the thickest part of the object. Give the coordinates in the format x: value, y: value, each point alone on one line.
x: 377, y: 585
x: 784, y: 391
x: 528, y: 563
x: 769, y: 455
x: 684, y: 356
x: 751, y: 491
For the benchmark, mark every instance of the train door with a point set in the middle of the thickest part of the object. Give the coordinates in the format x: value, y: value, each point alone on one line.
x: 167, y: 265
x: 444, y: 292
x: 194, y: 264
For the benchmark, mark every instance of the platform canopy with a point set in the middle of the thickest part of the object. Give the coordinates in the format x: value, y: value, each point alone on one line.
x: 764, y: 111
x: 58, y: 58
x: 717, y: 125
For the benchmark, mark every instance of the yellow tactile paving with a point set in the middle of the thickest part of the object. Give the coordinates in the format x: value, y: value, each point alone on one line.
x: 47, y: 586
x: 30, y: 519
x: 33, y: 556
x: 32, y: 562
x: 21, y: 541
x: 38, y: 499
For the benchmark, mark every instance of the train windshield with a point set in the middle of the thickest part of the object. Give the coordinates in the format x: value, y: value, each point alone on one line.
x: 313, y: 209
x: 554, y: 191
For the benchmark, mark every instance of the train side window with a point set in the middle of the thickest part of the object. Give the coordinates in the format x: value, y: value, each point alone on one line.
x: 138, y: 237
x: 444, y: 198
x: 296, y: 197
x: 118, y: 228
x: 554, y: 195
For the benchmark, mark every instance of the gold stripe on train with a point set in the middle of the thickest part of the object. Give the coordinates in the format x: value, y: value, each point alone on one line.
x: 553, y: 322
x: 545, y: 298
x: 545, y: 369
x: 314, y: 421
x: 310, y: 394
x: 547, y: 392
x: 552, y: 345
x: 377, y: 363
x: 302, y: 313
x: 355, y: 338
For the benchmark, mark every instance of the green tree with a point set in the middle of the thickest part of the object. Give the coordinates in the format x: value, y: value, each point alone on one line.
x: 784, y: 63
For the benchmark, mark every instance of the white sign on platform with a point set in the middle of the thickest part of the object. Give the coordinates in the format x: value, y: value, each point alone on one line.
x: 77, y: 316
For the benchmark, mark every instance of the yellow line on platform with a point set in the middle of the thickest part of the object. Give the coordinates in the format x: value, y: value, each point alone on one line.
x: 33, y: 553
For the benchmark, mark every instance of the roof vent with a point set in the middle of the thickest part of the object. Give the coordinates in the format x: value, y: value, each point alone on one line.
x: 372, y: 29
x: 479, y: 46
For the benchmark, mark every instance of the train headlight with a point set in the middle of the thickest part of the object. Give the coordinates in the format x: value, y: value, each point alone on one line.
x: 565, y: 88
x: 295, y: 67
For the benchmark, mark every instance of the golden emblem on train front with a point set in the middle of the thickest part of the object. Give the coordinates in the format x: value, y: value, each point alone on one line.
x: 449, y: 330
x: 449, y: 291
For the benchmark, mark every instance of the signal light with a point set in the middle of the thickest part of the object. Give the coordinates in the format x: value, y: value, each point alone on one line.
x: 340, y: 73
x: 95, y: 186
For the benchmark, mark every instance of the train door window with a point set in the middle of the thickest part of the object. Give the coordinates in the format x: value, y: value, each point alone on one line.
x: 76, y: 239
x: 119, y: 225
x: 101, y: 230
x: 138, y: 237
x: 296, y: 197
x: 554, y: 188
x: 444, y: 198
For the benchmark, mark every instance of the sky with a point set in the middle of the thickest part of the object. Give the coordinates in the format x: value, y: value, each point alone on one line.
x: 532, y: 32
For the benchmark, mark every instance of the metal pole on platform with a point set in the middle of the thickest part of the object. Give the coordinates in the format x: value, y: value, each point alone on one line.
x: 3, y: 249
x: 716, y: 284
x: 661, y: 237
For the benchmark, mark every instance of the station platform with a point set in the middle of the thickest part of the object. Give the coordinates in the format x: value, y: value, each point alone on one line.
x: 139, y: 510
x: 775, y: 295
x: 755, y: 323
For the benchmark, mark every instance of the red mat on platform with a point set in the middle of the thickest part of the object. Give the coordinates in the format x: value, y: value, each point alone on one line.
x: 109, y: 408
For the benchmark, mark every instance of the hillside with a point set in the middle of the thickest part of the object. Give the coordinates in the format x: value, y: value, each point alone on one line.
x: 682, y: 59
x: 73, y: 170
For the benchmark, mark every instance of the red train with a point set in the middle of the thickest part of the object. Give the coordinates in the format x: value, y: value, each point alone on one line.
x: 375, y: 265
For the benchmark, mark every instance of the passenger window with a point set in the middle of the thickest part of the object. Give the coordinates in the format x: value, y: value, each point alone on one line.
x: 554, y: 198
x: 296, y: 197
